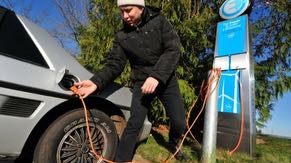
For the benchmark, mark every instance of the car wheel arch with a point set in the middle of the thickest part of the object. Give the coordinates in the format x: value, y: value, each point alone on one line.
x: 110, y: 109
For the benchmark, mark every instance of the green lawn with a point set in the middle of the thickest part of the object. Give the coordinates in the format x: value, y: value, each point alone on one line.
x: 270, y: 149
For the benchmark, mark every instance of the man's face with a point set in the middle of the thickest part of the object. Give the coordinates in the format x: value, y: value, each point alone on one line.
x: 131, y: 14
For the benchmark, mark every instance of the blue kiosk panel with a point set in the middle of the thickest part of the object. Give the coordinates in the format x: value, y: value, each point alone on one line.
x: 232, y: 36
x: 229, y: 92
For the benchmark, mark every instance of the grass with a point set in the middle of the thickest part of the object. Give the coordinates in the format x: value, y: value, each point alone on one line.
x: 270, y: 149
x: 273, y: 150
x: 155, y: 150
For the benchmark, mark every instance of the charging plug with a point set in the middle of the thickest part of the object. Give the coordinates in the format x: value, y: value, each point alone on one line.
x: 74, y: 89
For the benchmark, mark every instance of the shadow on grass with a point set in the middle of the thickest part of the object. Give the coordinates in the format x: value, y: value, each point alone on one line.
x: 160, y: 139
x: 190, y: 147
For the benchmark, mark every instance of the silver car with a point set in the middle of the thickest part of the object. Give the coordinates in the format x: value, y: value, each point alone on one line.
x: 40, y: 121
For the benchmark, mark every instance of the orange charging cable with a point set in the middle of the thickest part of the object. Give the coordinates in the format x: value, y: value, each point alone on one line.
x: 214, y: 76
x: 242, y: 121
x: 75, y: 90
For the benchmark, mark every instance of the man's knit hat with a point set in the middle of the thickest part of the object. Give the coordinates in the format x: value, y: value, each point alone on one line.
x: 130, y: 2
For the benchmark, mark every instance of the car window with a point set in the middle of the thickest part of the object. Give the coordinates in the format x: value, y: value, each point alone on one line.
x: 2, y: 12
x: 15, y: 42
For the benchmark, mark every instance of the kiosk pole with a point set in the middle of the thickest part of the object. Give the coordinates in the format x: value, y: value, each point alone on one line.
x: 210, y: 127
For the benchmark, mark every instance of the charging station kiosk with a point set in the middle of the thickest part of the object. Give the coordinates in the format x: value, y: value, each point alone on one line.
x: 230, y: 109
x: 236, y: 86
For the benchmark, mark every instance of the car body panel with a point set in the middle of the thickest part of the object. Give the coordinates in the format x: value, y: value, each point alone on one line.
x: 15, y: 130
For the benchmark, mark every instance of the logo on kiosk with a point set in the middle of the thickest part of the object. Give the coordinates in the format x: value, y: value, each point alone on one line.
x: 233, y: 8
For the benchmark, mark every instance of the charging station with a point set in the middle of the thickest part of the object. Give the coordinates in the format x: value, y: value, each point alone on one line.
x: 230, y: 110
x: 236, y: 86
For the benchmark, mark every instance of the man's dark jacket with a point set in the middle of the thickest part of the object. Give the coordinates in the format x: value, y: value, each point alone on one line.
x: 152, y: 48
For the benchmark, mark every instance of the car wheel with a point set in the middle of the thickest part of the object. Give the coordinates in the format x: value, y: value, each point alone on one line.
x: 66, y: 139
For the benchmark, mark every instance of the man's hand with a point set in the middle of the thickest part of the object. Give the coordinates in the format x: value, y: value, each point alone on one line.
x: 149, y: 86
x: 86, y: 87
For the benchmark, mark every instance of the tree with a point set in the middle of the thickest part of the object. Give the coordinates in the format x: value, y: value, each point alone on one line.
x: 75, y: 16
x: 96, y: 40
x: 96, y: 21
x: 271, y: 49
x: 195, y: 21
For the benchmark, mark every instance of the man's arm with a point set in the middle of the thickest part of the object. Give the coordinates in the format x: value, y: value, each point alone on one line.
x: 113, y: 67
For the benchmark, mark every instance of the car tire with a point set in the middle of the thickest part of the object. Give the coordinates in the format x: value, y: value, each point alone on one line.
x: 66, y: 139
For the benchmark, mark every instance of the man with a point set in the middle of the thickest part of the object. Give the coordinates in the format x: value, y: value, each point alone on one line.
x: 152, y: 47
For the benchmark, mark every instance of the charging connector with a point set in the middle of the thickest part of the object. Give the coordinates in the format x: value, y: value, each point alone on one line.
x: 68, y: 81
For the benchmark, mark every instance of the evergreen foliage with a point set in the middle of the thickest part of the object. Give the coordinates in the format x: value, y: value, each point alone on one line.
x: 271, y: 49
x: 195, y: 22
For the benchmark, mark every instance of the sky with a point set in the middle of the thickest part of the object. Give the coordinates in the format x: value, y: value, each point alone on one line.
x: 279, y: 125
